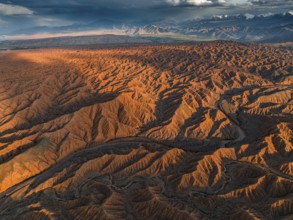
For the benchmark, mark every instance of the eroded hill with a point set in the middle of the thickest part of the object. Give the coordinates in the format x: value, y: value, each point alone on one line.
x: 199, y: 131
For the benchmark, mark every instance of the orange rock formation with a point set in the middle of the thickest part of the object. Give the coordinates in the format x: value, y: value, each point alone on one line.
x: 200, y: 131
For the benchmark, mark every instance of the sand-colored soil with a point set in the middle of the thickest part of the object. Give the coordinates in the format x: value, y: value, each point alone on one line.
x: 199, y: 131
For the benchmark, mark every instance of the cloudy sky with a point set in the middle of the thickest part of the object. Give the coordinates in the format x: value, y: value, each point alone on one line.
x: 56, y: 16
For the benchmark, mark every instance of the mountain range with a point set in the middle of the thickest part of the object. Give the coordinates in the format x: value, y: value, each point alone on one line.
x: 244, y: 28
x: 276, y: 28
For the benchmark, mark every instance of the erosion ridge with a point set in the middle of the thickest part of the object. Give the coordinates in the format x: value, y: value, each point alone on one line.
x: 199, y: 131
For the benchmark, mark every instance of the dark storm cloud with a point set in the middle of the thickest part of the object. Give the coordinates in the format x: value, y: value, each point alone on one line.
x: 30, y: 16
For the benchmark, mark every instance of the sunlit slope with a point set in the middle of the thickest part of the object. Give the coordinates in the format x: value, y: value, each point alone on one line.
x: 149, y: 132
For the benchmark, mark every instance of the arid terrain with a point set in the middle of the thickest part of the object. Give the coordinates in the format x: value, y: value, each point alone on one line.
x: 199, y: 131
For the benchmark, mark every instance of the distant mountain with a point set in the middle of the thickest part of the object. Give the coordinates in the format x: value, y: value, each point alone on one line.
x: 148, y: 29
x: 273, y: 28
x: 276, y: 28
x: 72, y: 41
x: 132, y: 36
x: 244, y: 28
x: 140, y: 30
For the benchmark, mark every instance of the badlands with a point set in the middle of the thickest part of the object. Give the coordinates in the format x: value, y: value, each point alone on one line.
x: 186, y: 131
